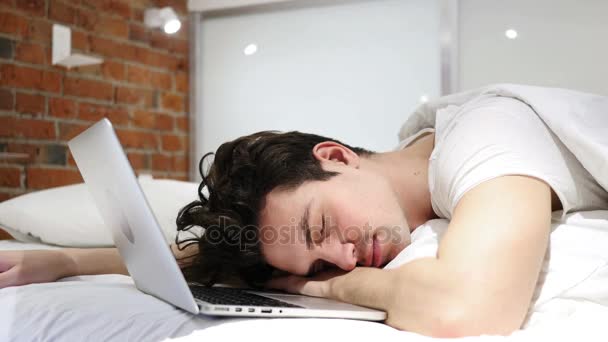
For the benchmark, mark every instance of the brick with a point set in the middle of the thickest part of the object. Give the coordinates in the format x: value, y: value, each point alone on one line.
x: 180, y: 46
x: 139, y: 161
x: 62, y: 108
x: 80, y: 41
x: 182, y: 123
x: 182, y: 177
x: 138, y: 75
x: 95, y: 112
x: 164, y: 122
x: 54, y: 154
x: 160, y: 80
x: 11, y: 23
x: 94, y: 69
x: 26, y: 128
x: 159, y: 174
x: 113, y: 70
x: 39, y: 30
x: 26, y: 77
x: 162, y: 162
x: 32, y: 151
x: 62, y: 12
x: 88, y: 88
x: 112, y: 7
x: 181, y: 82
x: 7, y: 100
x: 138, y: 33
x: 180, y: 163
x: 6, y: 48
x: 172, y: 142
x: 71, y: 161
x: 148, y: 78
x: 118, y: 28
x: 43, y: 178
x: 136, y: 139
x: 30, y: 104
x: 137, y: 14
x: 87, y: 19
x: 144, y: 119
x: 33, y: 7
x: 159, y: 39
x: 172, y: 101
x: 135, y: 96
x: 3, y: 197
x: 157, y: 59
x: 31, y: 53
x: 111, y: 48
x: 68, y: 131
x: 10, y: 177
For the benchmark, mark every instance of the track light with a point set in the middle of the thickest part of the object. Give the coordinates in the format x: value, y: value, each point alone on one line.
x: 162, y: 17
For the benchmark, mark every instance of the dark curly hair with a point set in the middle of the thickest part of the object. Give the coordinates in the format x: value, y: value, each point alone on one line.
x: 243, y: 172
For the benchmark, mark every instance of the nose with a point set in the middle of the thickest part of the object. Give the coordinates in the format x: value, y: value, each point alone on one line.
x: 343, y: 255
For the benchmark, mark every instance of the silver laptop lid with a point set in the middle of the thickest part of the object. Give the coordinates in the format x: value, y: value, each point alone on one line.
x: 121, y: 202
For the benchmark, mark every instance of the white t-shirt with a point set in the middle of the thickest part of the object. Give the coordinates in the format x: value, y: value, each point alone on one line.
x: 492, y: 136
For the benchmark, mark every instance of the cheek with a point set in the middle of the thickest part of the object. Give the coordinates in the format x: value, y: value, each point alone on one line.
x: 350, y: 217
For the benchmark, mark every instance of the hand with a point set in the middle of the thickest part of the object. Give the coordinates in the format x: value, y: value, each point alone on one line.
x: 32, y: 266
x: 318, y: 285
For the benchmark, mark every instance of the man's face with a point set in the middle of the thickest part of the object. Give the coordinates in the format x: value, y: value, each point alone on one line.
x: 344, y: 214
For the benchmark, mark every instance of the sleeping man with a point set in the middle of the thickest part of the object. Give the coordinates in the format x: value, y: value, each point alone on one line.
x: 312, y: 215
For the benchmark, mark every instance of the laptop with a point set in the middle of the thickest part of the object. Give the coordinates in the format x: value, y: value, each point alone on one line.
x: 149, y: 259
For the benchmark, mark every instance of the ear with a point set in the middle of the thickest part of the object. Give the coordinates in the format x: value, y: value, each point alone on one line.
x: 329, y: 151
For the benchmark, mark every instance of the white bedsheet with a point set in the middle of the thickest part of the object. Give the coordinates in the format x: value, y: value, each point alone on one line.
x: 571, y: 302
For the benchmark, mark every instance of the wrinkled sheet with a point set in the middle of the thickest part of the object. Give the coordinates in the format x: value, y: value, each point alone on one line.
x: 570, y: 303
x: 579, y: 120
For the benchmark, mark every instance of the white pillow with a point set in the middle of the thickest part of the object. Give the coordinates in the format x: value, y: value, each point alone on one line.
x: 67, y: 215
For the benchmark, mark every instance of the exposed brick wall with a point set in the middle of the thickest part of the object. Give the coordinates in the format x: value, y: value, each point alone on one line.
x: 141, y: 87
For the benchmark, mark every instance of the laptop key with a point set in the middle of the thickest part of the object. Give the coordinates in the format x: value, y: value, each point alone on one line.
x: 232, y: 296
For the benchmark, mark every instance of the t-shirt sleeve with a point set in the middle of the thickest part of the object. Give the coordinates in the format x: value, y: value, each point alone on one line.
x: 490, y: 137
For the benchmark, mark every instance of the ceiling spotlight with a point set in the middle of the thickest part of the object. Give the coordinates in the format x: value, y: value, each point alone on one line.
x: 424, y: 99
x: 250, y: 49
x: 511, y: 33
x: 162, y: 17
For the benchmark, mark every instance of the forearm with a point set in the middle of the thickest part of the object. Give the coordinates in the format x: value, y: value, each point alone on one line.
x: 418, y: 296
x: 366, y: 286
x: 92, y: 261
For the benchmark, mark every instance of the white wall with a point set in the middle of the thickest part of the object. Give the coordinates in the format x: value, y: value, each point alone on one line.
x: 351, y: 71
x: 560, y: 43
x: 211, y: 5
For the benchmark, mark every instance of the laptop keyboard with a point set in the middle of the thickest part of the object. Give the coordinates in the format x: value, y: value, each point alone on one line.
x: 234, y: 296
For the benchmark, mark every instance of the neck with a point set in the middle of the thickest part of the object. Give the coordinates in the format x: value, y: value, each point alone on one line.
x: 407, y: 172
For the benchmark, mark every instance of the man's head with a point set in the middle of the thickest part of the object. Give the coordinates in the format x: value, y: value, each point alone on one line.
x: 291, y: 202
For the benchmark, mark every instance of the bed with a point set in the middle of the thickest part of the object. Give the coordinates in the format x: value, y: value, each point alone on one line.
x: 570, y: 302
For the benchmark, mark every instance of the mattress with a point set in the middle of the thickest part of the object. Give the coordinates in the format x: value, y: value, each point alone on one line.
x: 110, y: 308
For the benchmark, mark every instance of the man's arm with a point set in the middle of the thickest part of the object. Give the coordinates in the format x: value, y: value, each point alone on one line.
x: 91, y: 261
x: 483, y: 277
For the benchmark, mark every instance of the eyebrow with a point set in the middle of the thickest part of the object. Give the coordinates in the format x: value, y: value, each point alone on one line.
x: 305, y: 225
